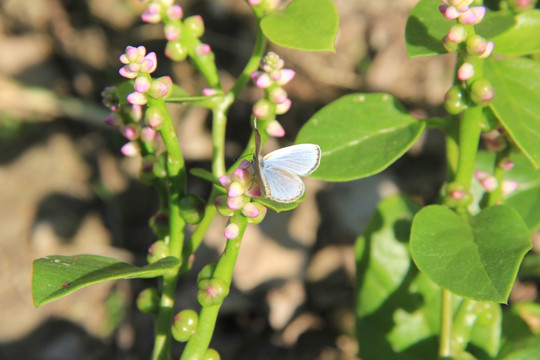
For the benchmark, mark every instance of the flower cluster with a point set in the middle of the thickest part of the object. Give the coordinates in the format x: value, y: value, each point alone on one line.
x: 139, y: 65
x: 272, y: 78
x: 241, y: 188
x: 461, y: 11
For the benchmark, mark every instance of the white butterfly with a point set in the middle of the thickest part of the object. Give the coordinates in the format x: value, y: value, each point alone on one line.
x: 278, y: 173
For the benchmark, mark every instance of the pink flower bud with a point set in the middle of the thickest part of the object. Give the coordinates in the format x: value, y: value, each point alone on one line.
x: 236, y: 189
x: 148, y: 134
x: 262, y: 80
x: 242, y: 176
x: 225, y: 180
x: 457, y: 33
x: 126, y: 72
x: 487, y: 181
x: 253, y: 190
x: 202, y: 49
x: 142, y: 84
x: 154, y: 117
x: 254, y: 2
x: 506, y: 164
x: 489, y: 49
x: 277, y: 95
x: 131, y: 132
x: 509, y: 186
x: 262, y: 109
x: 209, y: 92
x: 479, y: 13
x: 286, y: 75
x: 465, y: 71
x: 153, y: 13
x: 275, y: 129
x: 244, y: 164
x: 150, y: 63
x: 236, y: 203
x: 449, y: 12
x: 111, y: 120
x: 175, y: 12
x: 467, y: 18
x: 129, y: 149
x: 250, y: 210
x: 172, y: 31
x: 231, y: 231
x: 161, y: 87
x: 137, y: 98
x: 476, y: 45
x: 283, y: 107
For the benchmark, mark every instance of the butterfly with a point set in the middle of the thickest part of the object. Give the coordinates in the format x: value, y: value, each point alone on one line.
x: 278, y: 173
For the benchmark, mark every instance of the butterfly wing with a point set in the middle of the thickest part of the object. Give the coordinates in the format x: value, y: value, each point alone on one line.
x: 302, y: 159
x: 281, y: 185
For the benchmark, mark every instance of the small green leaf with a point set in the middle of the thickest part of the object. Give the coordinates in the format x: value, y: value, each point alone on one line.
x: 277, y: 206
x: 517, y: 101
x: 512, y: 34
x: 425, y: 29
x: 360, y: 135
x: 303, y: 25
x: 56, y: 276
x: 477, y: 259
x: 526, y: 349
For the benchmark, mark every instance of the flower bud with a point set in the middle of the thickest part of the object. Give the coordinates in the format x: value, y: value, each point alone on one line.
x: 192, y: 208
x: 157, y: 251
x: 489, y: 49
x: 488, y: 182
x: 449, y: 12
x: 176, y: 51
x: 148, y: 134
x: 482, y: 92
x: 262, y: 109
x: 185, y: 325
x: 161, y: 87
x: 148, y: 301
x: 457, y: 196
x: 506, y: 164
x: 521, y: 5
x: 131, y: 132
x: 457, y: 33
x: 221, y: 205
x: 212, y: 292
x: 202, y: 49
x: 211, y: 354
x: 154, y: 117
x: 159, y: 223
x: 277, y: 95
x: 476, y: 45
x: 172, y: 31
x: 271, y: 61
x: 236, y: 203
x: 206, y: 273
x: 231, y: 231
x: 174, y: 12
x: 129, y: 149
x: 465, y: 71
x: 283, y: 107
x: 153, y: 14
x: 137, y: 98
x: 454, y: 100
x: 275, y: 129
x: 262, y: 210
x: 142, y: 84
x: 509, y: 186
x: 285, y: 75
x: 112, y: 120
x: 195, y: 25
x: 449, y: 46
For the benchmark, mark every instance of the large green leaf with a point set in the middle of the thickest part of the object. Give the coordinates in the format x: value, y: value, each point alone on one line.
x: 425, y: 29
x: 517, y: 101
x: 513, y: 34
x: 303, y: 25
x: 397, y: 308
x: 56, y: 276
x: 360, y: 135
x: 476, y: 258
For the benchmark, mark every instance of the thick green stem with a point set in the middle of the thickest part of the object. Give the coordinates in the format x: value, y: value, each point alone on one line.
x: 469, y: 137
x: 445, y: 342
x: 452, y: 146
x: 199, y: 342
x: 176, y: 186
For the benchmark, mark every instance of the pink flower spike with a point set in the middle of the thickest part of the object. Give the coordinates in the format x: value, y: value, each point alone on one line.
x: 236, y: 189
x: 509, y: 186
x: 126, y: 72
x: 250, y: 210
x: 175, y: 12
x: 286, y: 76
x: 209, y: 92
x: 283, y: 107
x: 467, y: 18
x: 136, y: 98
x: 129, y: 149
x: 231, y: 231
x: 275, y: 129
x: 465, y: 71
x: 479, y: 12
x: 489, y: 49
x: 225, y: 180
x: 142, y: 84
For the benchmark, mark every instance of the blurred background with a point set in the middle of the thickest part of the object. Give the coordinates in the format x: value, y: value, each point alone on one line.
x: 66, y: 189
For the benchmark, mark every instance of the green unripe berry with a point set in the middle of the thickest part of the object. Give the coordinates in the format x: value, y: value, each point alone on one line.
x: 454, y: 100
x: 185, y: 325
x: 148, y: 301
x: 211, y: 354
x: 476, y: 45
x: 194, y: 25
x: 176, y: 51
x: 482, y: 92
x: 192, y: 208
x: 212, y: 292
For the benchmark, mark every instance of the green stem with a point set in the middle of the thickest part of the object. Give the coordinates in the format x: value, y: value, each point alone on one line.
x: 445, y: 341
x: 200, y: 341
x: 469, y: 137
x: 176, y: 186
x: 219, y: 124
x: 452, y: 146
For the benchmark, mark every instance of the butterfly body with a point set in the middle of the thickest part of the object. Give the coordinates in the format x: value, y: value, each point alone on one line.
x: 278, y: 173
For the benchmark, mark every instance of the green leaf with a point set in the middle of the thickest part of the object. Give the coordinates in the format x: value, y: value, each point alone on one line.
x: 517, y: 101
x: 303, y: 25
x: 397, y: 308
x: 476, y: 258
x: 56, y: 276
x: 277, y: 206
x: 526, y: 349
x: 512, y: 34
x: 360, y: 135
x: 425, y: 29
